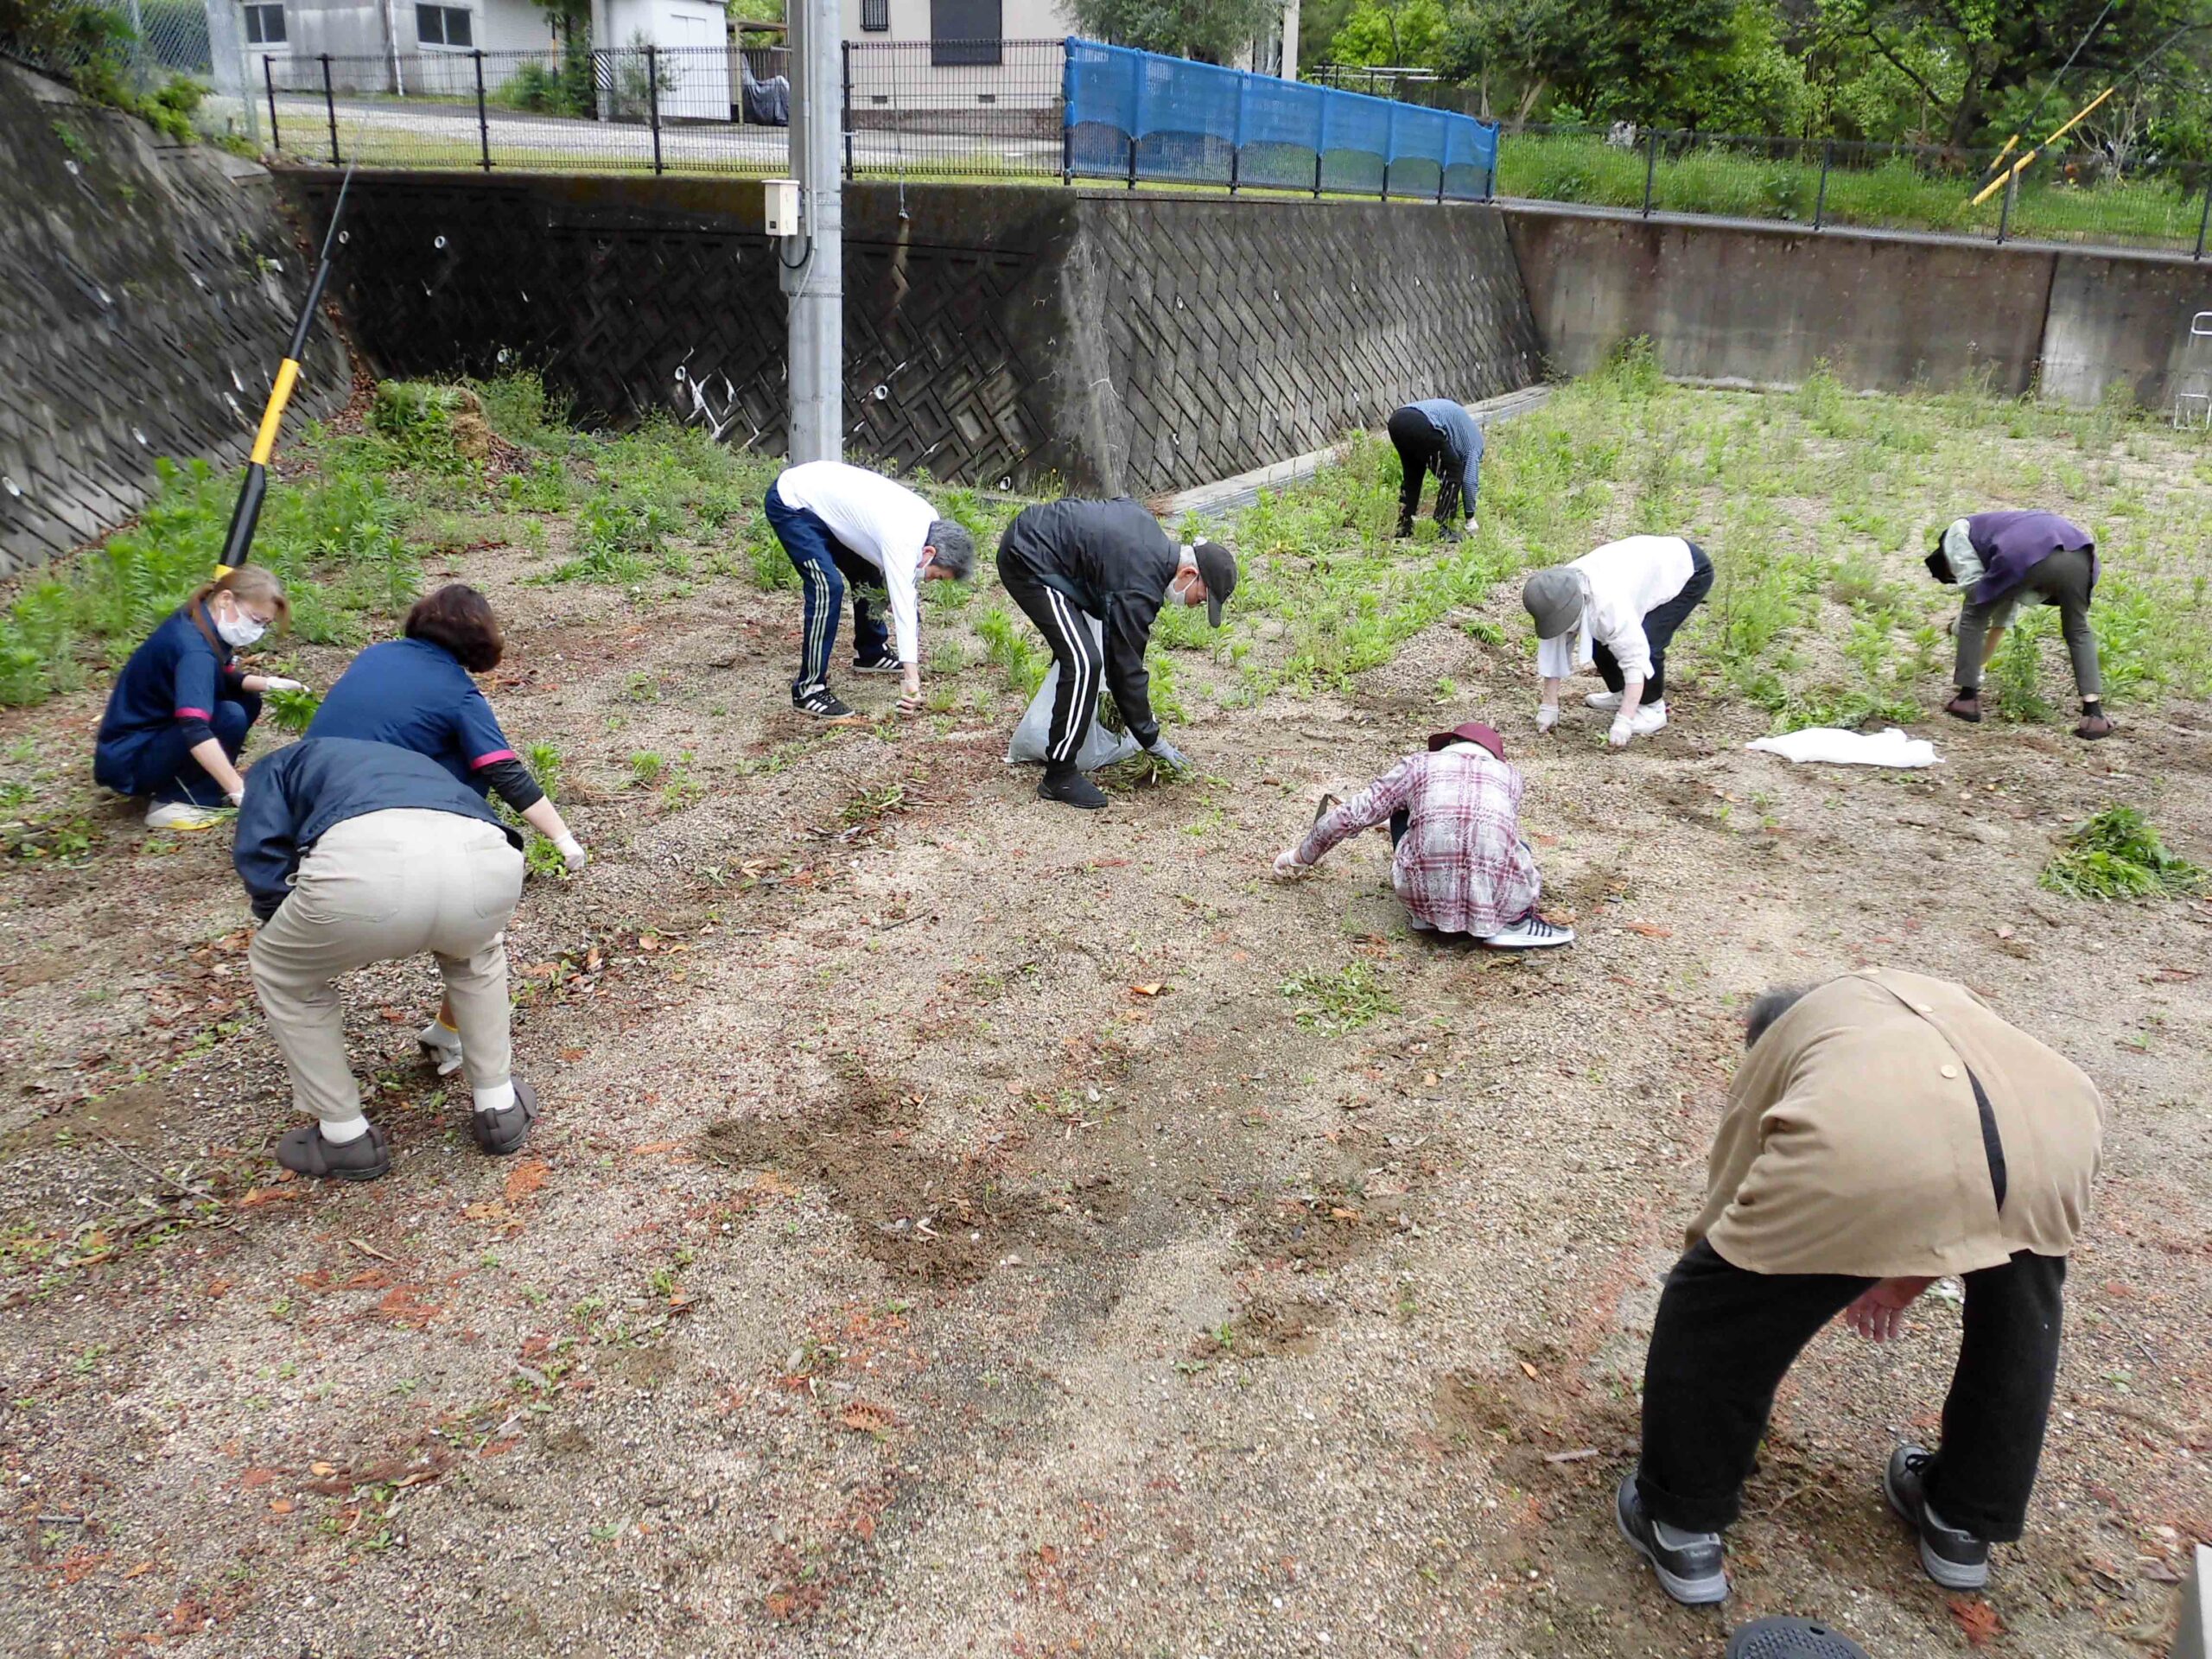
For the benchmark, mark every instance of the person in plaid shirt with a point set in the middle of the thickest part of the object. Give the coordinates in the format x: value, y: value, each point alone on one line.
x: 1457, y: 860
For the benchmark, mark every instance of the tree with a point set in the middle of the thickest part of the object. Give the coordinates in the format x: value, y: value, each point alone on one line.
x: 1645, y: 60
x: 1406, y: 33
x: 1964, y: 56
x: 1211, y: 31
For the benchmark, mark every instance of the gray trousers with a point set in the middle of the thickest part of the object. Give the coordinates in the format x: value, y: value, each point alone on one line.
x: 377, y: 888
x: 2062, y: 580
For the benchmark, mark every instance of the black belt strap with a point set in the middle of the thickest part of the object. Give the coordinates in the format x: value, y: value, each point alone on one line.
x: 1992, y: 1147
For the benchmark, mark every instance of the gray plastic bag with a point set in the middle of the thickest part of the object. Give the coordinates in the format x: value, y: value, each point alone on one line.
x: 1100, y: 747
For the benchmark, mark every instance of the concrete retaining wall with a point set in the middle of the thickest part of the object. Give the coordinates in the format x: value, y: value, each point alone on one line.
x: 1724, y: 300
x: 147, y: 293
x: 1144, y: 343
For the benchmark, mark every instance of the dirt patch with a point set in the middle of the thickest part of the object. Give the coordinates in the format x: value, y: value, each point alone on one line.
x: 1267, y: 1326
x: 1319, y: 1231
x: 138, y: 1116
x: 1531, y: 1428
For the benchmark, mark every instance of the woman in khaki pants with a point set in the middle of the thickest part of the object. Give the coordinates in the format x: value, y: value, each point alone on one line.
x: 355, y: 853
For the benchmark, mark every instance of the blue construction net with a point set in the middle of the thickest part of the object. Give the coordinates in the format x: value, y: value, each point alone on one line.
x: 1138, y: 116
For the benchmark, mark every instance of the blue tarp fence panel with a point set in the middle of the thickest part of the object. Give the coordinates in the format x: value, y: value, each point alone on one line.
x: 1136, y: 116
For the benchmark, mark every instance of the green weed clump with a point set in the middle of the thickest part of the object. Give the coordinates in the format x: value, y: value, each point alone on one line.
x: 2118, y: 855
x: 292, y: 711
x: 1345, y: 1001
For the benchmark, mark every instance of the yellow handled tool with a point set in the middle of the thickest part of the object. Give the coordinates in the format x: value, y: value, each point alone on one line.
x: 2020, y: 166
x: 238, y: 545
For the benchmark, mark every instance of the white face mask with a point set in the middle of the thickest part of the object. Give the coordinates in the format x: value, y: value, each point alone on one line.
x: 239, y: 631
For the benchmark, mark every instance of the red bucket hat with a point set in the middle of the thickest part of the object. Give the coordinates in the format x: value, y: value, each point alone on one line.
x: 1472, y: 731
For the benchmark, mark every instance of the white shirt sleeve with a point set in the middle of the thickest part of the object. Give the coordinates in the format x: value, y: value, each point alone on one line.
x: 901, y: 585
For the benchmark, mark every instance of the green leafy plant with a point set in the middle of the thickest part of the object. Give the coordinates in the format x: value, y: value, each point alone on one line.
x: 2118, y: 855
x: 1345, y: 1001
x: 292, y: 711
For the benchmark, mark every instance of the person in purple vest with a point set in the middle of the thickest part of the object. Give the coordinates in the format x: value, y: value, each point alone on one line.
x: 2003, y: 561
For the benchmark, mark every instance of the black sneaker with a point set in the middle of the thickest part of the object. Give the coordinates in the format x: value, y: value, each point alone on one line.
x: 502, y: 1132
x: 1955, y: 1559
x: 304, y: 1151
x: 1070, y: 788
x: 821, y: 702
x: 1785, y: 1637
x: 1688, y: 1563
x: 886, y: 664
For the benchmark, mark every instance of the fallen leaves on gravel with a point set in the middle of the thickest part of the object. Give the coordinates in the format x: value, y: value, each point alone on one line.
x: 862, y: 1418
x: 1146, y: 990
x: 1649, y: 929
x: 1977, y: 1619
x: 525, y: 1179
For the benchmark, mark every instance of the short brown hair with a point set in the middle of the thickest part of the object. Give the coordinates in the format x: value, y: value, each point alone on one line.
x: 250, y: 584
x: 460, y: 619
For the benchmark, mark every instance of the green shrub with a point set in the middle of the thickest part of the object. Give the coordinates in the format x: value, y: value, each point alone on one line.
x: 2117, y: 854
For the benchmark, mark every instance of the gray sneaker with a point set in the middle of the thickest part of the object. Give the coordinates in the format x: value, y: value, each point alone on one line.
x: 1689, y: 1564
x: 1953, y: 1557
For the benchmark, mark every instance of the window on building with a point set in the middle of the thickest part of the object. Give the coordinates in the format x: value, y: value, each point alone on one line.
x: 264, y: 25
x: 876, y: 15
x: 444, y: 26
x: 965, y: 32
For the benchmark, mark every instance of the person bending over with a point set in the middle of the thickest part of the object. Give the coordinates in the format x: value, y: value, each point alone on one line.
x: 1437, y: 436
x: 418, y: 693
x: 1457, y: 858
x: 842, y: 523
x: 1617, y: 608
x: 1068, y: 564
x: 178, y: 715
x: 1885, y: 1129
x: 356, y: 853
x: 2003, y: 561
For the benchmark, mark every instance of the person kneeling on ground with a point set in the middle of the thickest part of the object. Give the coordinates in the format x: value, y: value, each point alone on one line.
x: 180, y: 710
x: 354, y: 853
x: 1885, y: 1129
x: 1067, y: 562
x: 1457, y: 857
x: 1626, y: 599
x: 842, y: 524
x: 1437, y: 436
x: 2003, y: 561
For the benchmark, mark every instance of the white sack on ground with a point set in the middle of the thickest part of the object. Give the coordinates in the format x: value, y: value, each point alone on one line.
x: 1100, y: 747
x: 1839, y: 748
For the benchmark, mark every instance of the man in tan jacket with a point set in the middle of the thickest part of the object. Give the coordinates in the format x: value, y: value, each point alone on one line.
x: 1886, y: 1129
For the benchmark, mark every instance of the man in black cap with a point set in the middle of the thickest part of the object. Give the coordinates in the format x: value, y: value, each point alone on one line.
x: 1071, y: 564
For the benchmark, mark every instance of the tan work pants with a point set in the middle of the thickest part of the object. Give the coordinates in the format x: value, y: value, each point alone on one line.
x: 376, y: 888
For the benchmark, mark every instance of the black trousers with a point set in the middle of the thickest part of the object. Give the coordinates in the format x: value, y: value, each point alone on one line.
x: 1725, y: 1338
x: 1066, y: 628
x: 1659, y: 624
x: 1420, y: 451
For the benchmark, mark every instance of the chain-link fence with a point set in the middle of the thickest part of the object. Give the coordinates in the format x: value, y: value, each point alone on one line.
x: 1820, y: 183
x: 189, y: 56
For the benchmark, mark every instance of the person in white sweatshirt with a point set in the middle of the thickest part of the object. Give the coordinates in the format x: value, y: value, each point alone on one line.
x: 1616, y: 608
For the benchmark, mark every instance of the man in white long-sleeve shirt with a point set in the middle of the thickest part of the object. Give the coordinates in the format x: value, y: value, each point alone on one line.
x: 842, y: 525
x: 1616, y: 608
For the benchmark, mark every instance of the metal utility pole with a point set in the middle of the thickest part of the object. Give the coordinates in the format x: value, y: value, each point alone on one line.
x: 813, y: 274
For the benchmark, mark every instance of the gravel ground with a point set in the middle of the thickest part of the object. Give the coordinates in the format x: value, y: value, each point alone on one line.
x: 943, y: 1238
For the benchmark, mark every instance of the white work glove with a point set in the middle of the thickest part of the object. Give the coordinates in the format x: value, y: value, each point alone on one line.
x: 278, y: 683
x: 1287, y: 867
x: 1166, y: 752
x: 1621, y: 732
x: 572, y: 853
x: 235, y: 796
x: 1547, y: 717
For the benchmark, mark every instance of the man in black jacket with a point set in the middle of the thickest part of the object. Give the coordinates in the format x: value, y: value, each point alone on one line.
x: 1070, y: 563
x: 352, y: 853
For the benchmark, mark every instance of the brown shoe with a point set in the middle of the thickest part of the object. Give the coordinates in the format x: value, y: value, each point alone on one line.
x: 1965, y: 706
x: 2093, y: 727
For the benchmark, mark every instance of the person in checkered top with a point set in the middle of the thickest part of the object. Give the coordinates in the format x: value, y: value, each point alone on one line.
x: 1457, y: 860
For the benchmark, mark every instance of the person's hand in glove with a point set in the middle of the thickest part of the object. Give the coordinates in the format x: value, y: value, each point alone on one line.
x: 278, y: 683
x: 235, y: 796
x: 1168, y: 755
x: 1287, y: 867
x: 1547, y: 717
x: 572, y: 853
x: 1621, y: 732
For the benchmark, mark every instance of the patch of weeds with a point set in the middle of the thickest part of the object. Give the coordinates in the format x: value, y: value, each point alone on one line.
x: 1347, y: 1000
x: 1009, y: 647
x: 2118, y: 855
x: 292, y: 711
x: 2014, y: 675
x: 679, y: 789
x: 646, y: 767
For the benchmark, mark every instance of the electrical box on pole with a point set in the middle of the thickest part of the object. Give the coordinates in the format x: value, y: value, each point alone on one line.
x: 811, y: 252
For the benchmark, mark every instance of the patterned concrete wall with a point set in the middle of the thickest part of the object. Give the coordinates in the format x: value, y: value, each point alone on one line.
x: 990, y: 333
x: 147, y: 292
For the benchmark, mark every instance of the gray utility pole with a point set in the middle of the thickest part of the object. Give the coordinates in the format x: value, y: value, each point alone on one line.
x: 813, y: 274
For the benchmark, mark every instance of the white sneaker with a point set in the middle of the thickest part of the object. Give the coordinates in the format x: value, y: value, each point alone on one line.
x: 1531, y: 932
x: 1649, y: 719
x: 440, y: 1046
x: 181, y: 816
x: 1604, y: 702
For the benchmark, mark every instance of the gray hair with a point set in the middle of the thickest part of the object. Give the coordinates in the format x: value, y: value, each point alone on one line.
x: 1770, y: 1006
x: 956, y: 548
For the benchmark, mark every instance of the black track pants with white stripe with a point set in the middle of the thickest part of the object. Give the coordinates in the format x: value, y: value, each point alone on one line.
x: 1066, y: 628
